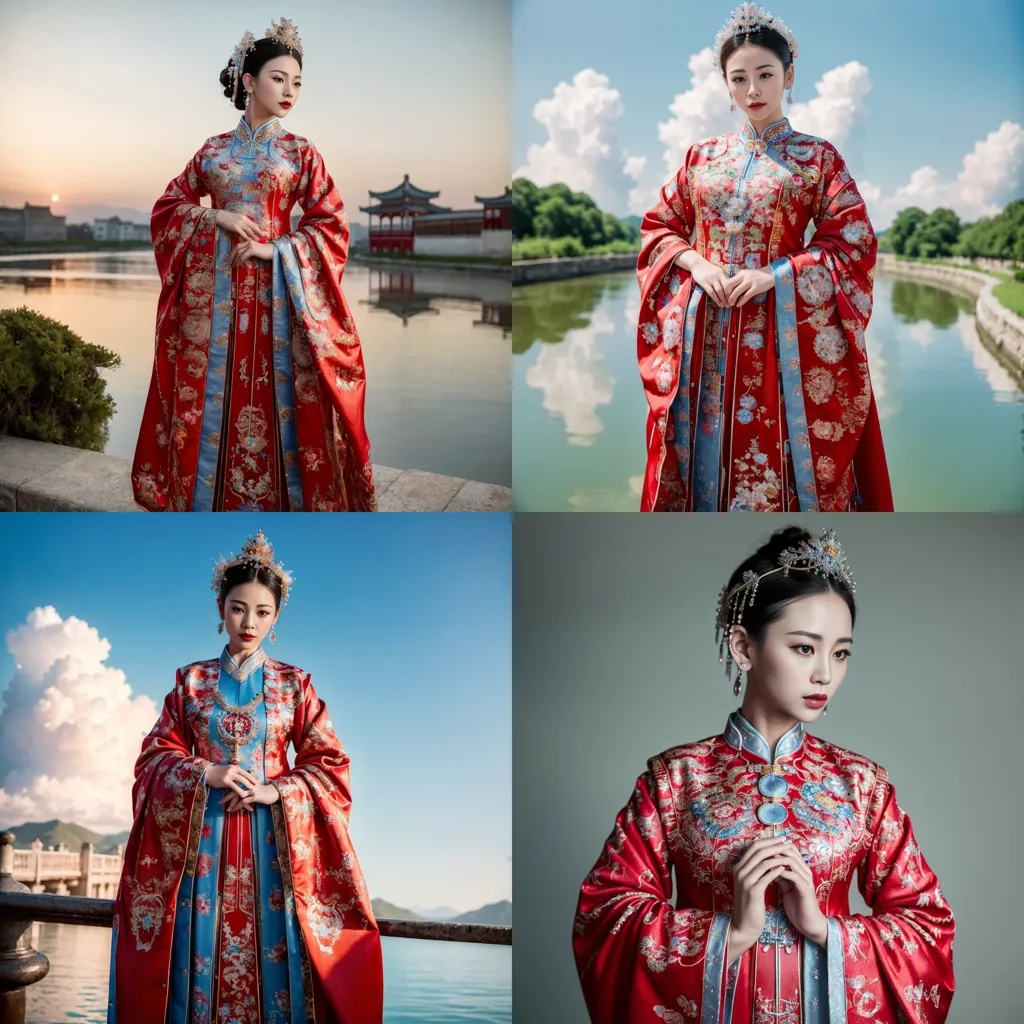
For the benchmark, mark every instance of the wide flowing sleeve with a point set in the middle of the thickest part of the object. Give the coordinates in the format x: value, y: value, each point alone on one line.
x: 184, y: 237
x: 179, y: 223
x: 639, y: 958
x: 327, y: 358
x: 168, y: 800
x: 330, y: 895
x: 823, y: 301
x: 896, y: 964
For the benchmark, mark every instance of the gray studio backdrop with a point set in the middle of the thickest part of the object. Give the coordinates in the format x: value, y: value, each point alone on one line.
x: 615, y: 660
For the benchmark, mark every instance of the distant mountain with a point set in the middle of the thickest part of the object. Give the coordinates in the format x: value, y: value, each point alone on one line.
x: 53, y: 833
x: 493, y: 913
x: 435, y: 913
x: 381, y: 908
x: 634, y: 220
x: 87, y: 214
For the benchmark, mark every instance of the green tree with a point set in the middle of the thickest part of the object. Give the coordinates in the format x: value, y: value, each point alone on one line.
x: 934, y: 236
x: 903, y: 227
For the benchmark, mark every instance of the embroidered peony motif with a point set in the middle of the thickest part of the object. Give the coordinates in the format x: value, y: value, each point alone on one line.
x: 672, y: 331
x: 830, y: 344
x: 819, y: 384
x: 753, y: 339
x: 814, y: 283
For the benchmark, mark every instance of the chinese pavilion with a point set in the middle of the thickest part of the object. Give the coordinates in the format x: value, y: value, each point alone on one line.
x: 396, y: 211
x: 497, y: 211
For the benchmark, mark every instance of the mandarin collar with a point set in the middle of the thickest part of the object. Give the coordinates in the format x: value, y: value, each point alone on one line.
x: 741, y: 735
x: 775, y: 132
x: 241, y: 672
x: 265, y: 131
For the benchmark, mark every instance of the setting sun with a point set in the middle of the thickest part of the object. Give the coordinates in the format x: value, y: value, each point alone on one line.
x: 55, y: 198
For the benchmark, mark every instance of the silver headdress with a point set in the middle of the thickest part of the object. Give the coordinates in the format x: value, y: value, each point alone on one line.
x: 822, y: 554
x: 286, y: 34
x: 256, y: 551
x: 749, y: 18
x: 237, y: 60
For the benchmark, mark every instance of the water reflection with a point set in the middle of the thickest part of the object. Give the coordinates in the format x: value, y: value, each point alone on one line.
x: 425, y: 982
x: 913, y: 301
x: 950, y: 412
x: 434, y: 341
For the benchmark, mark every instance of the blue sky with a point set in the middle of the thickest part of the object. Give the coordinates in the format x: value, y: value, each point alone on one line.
x: 943, y: 75
x: 404, y: 622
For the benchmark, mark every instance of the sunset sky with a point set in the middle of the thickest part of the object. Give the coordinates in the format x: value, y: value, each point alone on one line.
x: 111, y: 99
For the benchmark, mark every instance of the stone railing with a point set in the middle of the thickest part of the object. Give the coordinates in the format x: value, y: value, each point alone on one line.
x: 62, y: 871
x: 1002, y: 325
x: 21, y: 965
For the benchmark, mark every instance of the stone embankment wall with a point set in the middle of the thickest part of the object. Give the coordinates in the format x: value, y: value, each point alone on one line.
x: 1001, y: 324
x: 536, y: 271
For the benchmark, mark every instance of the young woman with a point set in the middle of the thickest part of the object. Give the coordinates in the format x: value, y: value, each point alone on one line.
x: 241, y: 898
x: 256, y: 399
x: 761, y: 829
x: 751, y: 343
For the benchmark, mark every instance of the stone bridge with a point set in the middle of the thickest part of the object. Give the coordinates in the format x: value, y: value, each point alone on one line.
x: 64, y: 872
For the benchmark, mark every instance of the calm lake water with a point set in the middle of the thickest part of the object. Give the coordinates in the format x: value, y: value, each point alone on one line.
x: 435, y: 344
x: 424, y: 982
x: 951, y: 414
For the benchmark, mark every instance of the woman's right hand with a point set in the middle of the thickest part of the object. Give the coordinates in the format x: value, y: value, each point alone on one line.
x: 238, y: 224
x: 714, y: 280
x: 759, y: 866
x: 228, y: 776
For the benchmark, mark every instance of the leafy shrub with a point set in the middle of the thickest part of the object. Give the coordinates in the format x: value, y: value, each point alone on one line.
x: 50, y: 385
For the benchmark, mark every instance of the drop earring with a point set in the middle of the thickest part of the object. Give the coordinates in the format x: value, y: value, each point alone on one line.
x: 273, y: 636
x: 790, y: 98
x: 220, y: 626
x: 824, y: 711
x: 732, y: 107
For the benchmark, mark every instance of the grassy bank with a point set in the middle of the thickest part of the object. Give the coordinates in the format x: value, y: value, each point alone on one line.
x: 363, y: 256
x: 1010, y: 292
x: 9, y: 248
x: 548, y: 248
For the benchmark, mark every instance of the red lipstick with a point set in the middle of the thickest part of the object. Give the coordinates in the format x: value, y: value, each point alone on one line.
x: 816, y: 700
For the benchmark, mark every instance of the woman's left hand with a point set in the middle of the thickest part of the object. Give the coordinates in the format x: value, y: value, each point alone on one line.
x: 748, y: 283
x: 247, y: 250
x: 264, y: 793
x: 796, y: 884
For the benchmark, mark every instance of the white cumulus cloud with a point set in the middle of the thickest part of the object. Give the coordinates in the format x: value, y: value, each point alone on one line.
x: 990, y: 175
x: 581, y: 149
x: 70, y: 728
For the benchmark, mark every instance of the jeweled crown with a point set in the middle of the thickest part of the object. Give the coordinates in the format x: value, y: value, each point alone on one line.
x: 749, y: 18
x: 286, y: 34
x: 255, y: 551
x: 822, y: 554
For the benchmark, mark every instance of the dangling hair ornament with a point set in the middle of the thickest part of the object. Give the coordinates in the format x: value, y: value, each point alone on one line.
x: 237, y: 61
x: 822, y: 554
x: 256, y: 551
x: 286, y: 34
x: 749, y: 18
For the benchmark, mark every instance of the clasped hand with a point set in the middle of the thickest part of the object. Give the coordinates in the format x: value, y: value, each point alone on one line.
x: 244, y: 789
x: 248, y: 232
x: 729, y: 291
x: 765, y: 861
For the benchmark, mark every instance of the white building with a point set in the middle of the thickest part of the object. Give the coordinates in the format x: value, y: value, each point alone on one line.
x: 113, y: 229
